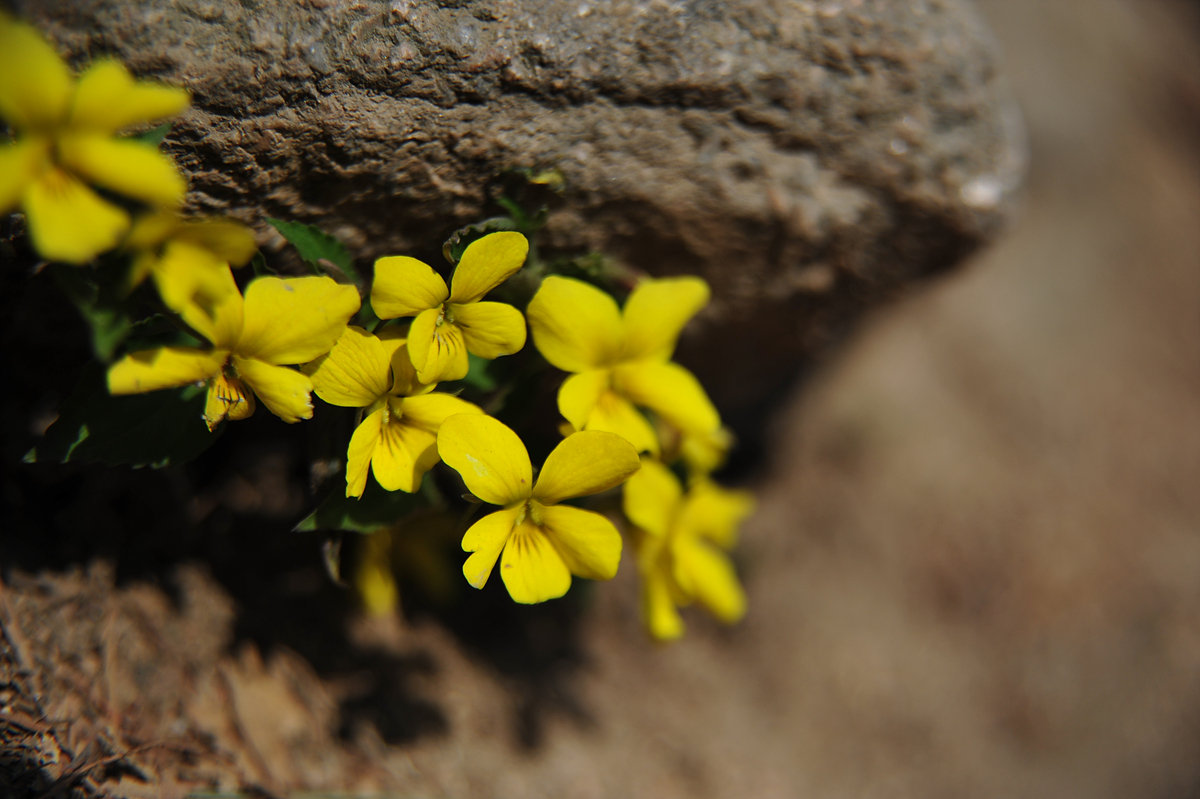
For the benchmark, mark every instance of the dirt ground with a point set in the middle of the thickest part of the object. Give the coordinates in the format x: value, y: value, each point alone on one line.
x: 975, y: 570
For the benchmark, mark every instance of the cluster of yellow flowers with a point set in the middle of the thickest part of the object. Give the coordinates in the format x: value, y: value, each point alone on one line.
x: 286, y: 338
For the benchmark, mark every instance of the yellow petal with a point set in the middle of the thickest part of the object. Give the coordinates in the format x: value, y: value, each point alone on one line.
x: 229, y: 239
x: 35, y: 85
x: 108, y: 99
x: 286, y: 392
x: 705, y: 452
x: 651, y: 498
x: 354, y: 373
x: 373, y: 578
x: 126, y: 166
x: 165, y: 367
x: 580, y: 393
x: 294, y: 320
x: 486, y: 538
x: 661, y: 618
x: 490, y: 458
x: 585, y: 463
x: 68, y: 221
x: 404, y: 454
x: 531, y: 567
x: 490, y: 329
x: 228, y: 398
x: 615, y: 414
x: 487, y: 263
x: 20, y: 164
x: 670, y: 391
x: 576, y: 326
x: 705, y: 573
x: 437, y: 348
x: 715, y: 513
x: 656, y: 312
x: 194, y: 283
x: 362, y: 447
x: 404, y: 286
x: 429, y: 411
x: 588, y: 543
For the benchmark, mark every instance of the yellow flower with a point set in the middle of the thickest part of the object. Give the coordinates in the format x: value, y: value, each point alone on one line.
x: 279, y: 322
x: 187, y: 259
x: 66, y: 142
x: 374, y: 581
x: 622, y: 359
x: 543, y: 543
x: 397, y: 439
x: 452, y: 322
x: 703, y: 453
x: 681, y: 542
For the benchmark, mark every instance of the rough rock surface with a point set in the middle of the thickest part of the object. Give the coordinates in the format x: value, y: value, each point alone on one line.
x: 804, y: 157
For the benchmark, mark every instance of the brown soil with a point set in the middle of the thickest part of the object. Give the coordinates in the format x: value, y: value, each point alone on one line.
x: 975, y: 570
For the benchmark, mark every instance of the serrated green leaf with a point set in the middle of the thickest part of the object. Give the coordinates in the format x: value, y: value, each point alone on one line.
x: 462, y: 238
x: 154, y: 429
x: 315, y: 246
x: 376, y: 509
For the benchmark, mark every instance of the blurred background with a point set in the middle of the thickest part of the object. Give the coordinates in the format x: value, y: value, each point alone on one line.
x: 975, y: 569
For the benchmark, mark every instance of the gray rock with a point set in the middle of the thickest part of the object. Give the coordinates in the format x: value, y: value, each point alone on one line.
x: 807, y: 158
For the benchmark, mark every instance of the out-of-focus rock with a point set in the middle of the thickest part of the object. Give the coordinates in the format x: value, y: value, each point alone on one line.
x: 807, y: 158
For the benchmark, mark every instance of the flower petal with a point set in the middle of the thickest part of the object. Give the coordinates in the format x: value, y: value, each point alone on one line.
x: 490, y: 329
x: 373, y: 578
x: 588, y: 543
x: 229, y: 239
x: 531, y: 567
x: 705, y: 573
x: 286, y: 392
x: 294, y: 320
x: 165, y: 367
x: 651, y: 498
x: 35, y: 85
x: 615, y: 414
x: 580, y: 393
x: 715, y: 513
x: 108, y: 99
x: 575, y: 325
x: 403, y: 455
x: 404, y: 286
x: 20, y: 163
x: 354, y: 373
x: 670, y: 391
x: 585, y: 463
x: 429, y: 411
x: 194, y: 283
x: 126, y: 166
x: 490, y: 458
x: 487, y: 263
x: 659, y: 615
x: 228, y: 398
x: 437, y: 350
x: 656, y: 312
x: 68, y: 221
x: 362, y: 448
x: 705, y: 452
x: 486, y: 538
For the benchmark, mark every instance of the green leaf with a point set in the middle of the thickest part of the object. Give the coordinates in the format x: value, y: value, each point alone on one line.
x: 155, y: 429
x: 463, y: 237
x: 259, y: 265
x: 376, y: 509
x: 154, y: 137
x: 94, y: 293
x: 315, y: 246
x: 477, y: 373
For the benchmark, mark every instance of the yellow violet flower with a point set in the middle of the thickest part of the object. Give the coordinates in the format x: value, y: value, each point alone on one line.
x: 187, y: 259
x: 66, y: 141
x: 681, y: 542
x: 279, y: 322
x: 397, y: 439
x: 702, y: 453
x: 374, y: 581
x: 543, y: 543
x: 450, y: 322
x: 622, y: 359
